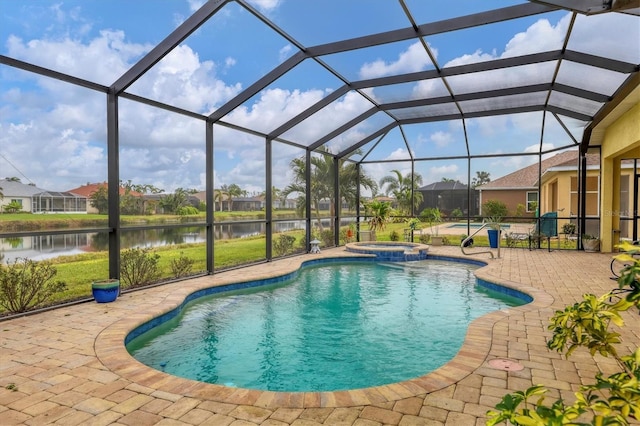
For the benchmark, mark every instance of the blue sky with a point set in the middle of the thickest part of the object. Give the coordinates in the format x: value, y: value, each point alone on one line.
x: 54, y: 134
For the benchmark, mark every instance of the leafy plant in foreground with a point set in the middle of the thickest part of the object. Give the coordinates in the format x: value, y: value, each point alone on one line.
x: 27, y: 284
x: 612, y: 400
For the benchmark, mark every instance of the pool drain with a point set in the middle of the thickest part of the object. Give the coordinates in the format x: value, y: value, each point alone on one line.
x: 505, y: 364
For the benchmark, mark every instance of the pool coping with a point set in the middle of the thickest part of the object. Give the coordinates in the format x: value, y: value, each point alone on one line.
x: 110, y: 350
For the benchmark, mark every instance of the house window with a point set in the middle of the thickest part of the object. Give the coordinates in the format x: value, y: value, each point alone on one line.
x: 592, y: 196
x: 532, y: 201
x: 17, y: 201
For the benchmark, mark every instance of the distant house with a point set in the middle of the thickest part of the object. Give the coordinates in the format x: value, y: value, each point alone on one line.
x: 37, y: 200
x: 521, y: 186
x: 449, y: 196
x: 237, y: 203
x: 88, y: 190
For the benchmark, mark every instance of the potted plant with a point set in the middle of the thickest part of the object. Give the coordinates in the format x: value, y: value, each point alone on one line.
x: 590, y: 243
x: 494, y: 212
x: 433, y: 217
x: 105, y: 291
x: 494, y: 230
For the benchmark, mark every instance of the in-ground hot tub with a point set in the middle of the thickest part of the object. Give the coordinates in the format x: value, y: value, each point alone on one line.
x: 390, y: 251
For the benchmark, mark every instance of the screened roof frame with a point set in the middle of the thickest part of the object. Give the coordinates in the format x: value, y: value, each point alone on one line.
x: 414, y: 32
x: 192, y: 23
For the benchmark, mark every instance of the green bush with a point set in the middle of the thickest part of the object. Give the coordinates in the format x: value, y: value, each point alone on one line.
x: 283, y: 244
x: 182, y: 266
x: 326, y: 236
x: 187, y: 211
x: 495, y: 209
x: 394, y: 236
x: 456, y: 213
x: 138, y: 266
x: 26, y: 284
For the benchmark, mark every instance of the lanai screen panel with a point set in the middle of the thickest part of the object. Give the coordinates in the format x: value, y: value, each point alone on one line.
x: 320, y: 22
x: 78, y: 41
x: 288, y: 178
x: 413, y: 90
x: 391, y: 147
x: 335, y: 114
x: 503, y: 78
x: 287, y: 97
x: 214, y: 63
x: 439, y: 139
x: 499, y: 40
x: 505, y: 134
x: 382, y: 60
x: 365, y: 129
x: 611, y: 35
x: 239, y: 159
x: 47, y: 139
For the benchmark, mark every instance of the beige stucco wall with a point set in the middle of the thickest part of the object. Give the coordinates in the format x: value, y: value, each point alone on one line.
x: 511, y: 197
x: 621, y: 141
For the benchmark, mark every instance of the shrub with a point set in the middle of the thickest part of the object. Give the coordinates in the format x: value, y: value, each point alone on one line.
x: 181, y: 266
x: 495, y: 209
x: 187, y: 211
x: 456, y: 213
x: 611, y: 400
x: 394, y: 236
x: 569, y: 228
x: 326, y: 236
x: 283, y: 244
x: 26, y: 284
x: 138, y: 266
x: 425, y: 238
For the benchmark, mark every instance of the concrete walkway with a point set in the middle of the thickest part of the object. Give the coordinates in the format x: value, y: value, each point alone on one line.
x: 69, y: 366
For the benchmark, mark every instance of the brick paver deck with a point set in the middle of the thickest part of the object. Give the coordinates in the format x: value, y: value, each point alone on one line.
x: 69, y: 366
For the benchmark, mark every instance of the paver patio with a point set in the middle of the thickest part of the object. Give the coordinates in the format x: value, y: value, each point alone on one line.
x: 69, y: 366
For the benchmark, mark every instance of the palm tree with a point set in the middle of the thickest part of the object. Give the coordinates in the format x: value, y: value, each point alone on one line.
x: 481, y: 178
x: 218, y: 195
x: 322, y: 182
x: 379, y: 212
x: 402, y: 188
x: 234, y: 191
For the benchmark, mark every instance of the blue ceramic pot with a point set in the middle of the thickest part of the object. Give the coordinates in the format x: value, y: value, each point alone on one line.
x: 105, y: 291
x: 494, y: 238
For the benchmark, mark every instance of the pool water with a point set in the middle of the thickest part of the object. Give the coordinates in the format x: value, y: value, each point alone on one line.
x: 335, y: 327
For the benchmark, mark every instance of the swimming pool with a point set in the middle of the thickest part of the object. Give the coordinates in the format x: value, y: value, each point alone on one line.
x: 339, y: 326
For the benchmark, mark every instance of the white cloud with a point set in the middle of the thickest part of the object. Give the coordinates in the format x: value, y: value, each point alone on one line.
x: 265, y: 5
x: 413, y: 59
x: 285, y: 52
x: 441, y: 138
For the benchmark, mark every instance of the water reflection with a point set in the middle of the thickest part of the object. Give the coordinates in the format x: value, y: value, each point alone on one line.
x: 50, y: 246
